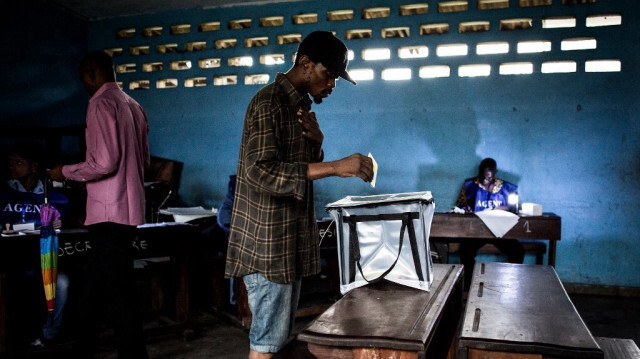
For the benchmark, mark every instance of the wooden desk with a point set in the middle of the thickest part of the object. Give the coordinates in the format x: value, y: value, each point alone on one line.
x: 449, y: 226
x: 390, y: 320
x: 522, y: 311
x: 22, y: 252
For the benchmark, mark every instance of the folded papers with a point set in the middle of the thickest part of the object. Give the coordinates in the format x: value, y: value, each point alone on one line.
x: 498, y: 221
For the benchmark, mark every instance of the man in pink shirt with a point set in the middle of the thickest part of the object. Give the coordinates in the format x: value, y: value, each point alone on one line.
x: 117, y: 154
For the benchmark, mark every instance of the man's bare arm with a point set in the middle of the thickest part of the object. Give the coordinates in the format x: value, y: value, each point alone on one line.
x: 356, y: 165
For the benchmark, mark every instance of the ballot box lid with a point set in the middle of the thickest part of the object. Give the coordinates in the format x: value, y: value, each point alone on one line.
x: 387, y: 315
x: 523, y: 308
x: 381, y: 199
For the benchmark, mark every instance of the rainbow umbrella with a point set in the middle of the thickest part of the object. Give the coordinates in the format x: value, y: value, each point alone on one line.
x: 49, y: 252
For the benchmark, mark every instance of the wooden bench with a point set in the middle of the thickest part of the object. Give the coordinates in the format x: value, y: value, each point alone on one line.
x: 616, y: 348
x: 539, y: 249
x: 519, y: 311
x: 388, y: 320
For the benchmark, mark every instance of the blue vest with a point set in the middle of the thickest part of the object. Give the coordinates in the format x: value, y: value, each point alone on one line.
x: 480, y: 199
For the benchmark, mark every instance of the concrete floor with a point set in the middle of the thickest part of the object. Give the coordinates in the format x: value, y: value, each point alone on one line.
x: 218, y: 335
x: 208, y: 334
x: 605, y: 316
x: 610, y: 316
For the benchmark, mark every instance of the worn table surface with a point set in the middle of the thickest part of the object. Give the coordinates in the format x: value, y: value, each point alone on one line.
x: 386, y: 314
x: 523, y: 308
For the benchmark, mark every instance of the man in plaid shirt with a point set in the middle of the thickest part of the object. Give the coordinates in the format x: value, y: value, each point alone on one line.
x: 273, y: 241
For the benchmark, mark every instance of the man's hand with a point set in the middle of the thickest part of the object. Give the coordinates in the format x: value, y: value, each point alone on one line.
x: 310, y: 127
x: 355, y: 165
x: 56, y: 173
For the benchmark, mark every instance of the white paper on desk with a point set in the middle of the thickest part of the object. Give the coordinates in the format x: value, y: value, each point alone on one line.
x: 498, y: 221
x: 185, y: 214
x: 13, y: 234
x: 186, y: 210
x: 163, y: 224
x: 24, y: 226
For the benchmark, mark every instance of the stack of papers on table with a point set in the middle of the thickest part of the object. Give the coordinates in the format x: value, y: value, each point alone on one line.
x: 186, y: 214
x: 14, y: 233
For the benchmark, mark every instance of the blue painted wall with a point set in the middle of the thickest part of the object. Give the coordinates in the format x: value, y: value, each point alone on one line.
x: 570, y: 141
x: 41, y: 49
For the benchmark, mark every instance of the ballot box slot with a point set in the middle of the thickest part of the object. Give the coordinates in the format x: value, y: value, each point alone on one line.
x: 476, y: 320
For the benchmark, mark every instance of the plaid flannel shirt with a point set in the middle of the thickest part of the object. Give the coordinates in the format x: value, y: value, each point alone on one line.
x: 273, y: 224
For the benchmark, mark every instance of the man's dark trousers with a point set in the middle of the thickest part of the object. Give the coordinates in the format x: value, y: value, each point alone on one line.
x: 109, y: 292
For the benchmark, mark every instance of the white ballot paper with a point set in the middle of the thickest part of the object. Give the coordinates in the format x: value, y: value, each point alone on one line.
x: 375, y: 170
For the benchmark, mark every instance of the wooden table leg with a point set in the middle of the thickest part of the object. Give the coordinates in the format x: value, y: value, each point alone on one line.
x: 182, y: 288
x: 552, y: 253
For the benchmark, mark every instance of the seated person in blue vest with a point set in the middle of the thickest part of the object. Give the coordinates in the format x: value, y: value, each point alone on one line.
x: 20, y: 203
x: 486, y: 192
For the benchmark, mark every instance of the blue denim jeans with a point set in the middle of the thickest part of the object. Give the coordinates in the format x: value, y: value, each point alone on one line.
x: 53, y: 322
x: 273, y: 308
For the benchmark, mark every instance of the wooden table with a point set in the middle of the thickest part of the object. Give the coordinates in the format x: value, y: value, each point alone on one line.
x: 175, y: 241
x: 452, y: 227
x: 390, y: 320
x: 520, y: 311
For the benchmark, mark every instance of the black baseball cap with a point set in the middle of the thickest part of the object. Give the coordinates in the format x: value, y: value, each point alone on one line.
x: 324, y: 47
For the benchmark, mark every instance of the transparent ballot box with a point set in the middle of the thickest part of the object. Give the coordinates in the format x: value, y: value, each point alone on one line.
x: 384, y: 237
